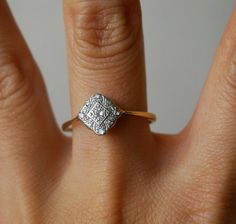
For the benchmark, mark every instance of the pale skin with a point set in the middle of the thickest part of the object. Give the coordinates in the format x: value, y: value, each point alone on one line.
x: 131, y: 175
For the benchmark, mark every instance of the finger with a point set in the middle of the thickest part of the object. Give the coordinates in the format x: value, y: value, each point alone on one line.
x: 214, y: 123
x: 25, y: 115
x: 105, y: 49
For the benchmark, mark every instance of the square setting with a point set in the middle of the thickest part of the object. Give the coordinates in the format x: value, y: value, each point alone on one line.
x: 99, y: 114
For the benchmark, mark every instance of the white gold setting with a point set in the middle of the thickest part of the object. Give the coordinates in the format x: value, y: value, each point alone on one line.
x: 99, y: 114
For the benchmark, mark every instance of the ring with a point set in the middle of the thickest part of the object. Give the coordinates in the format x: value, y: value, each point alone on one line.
x: 100, y: 114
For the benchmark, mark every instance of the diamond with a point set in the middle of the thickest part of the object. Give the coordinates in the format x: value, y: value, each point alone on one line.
x: 101, y: 132
x: 99, y: 114
x: 81, y: 115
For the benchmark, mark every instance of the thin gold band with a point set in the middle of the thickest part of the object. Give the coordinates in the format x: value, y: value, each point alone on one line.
x: 67, y: 126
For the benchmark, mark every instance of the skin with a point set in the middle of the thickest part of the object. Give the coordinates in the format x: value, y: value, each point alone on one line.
x: 131, y: 175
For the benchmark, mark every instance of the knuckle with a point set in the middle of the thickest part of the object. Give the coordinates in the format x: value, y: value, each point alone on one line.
x: 14, y: 87
x: 102, y: 29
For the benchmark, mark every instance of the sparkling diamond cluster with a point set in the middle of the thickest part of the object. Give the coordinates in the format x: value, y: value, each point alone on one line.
x: 99, y: 114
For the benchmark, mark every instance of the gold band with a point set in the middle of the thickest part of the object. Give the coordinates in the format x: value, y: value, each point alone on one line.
x: 149, y: 116
x: 67, y: 126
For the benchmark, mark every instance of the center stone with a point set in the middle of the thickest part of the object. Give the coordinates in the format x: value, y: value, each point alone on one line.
x: 99, y: 114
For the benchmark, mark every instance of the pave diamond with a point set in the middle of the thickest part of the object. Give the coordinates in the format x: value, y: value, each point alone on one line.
x: 99, y: 114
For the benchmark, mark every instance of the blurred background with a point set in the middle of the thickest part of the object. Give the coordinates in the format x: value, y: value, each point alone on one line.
x: 180, y: 37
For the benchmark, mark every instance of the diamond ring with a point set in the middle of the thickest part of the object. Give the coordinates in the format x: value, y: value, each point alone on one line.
x: 100, y: 114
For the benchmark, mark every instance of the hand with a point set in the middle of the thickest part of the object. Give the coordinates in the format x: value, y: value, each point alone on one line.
x: 130, y: 175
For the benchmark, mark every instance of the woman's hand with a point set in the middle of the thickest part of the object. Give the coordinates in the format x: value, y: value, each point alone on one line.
x: 130, y: 175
